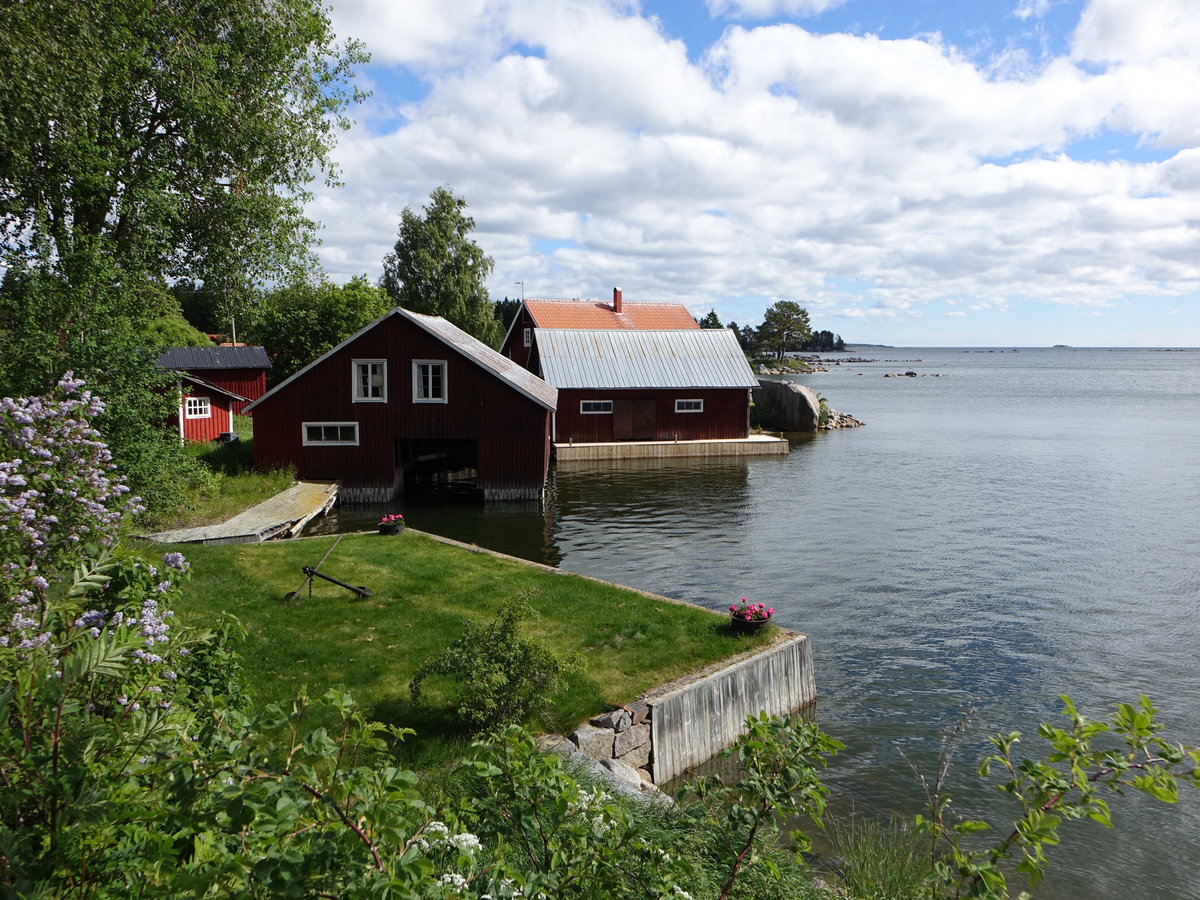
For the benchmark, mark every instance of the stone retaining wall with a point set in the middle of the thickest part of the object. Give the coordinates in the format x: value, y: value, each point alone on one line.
x: 683, y: 724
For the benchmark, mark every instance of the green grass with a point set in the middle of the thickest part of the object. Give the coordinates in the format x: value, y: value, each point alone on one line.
x: 422, y: 592
x: 880, y: 859
x: 232, y: 486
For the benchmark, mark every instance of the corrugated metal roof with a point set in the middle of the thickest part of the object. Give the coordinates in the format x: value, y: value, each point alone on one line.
x: 188, y: 358
x: 516, y: 375
x: 703, y: 358
x: 591, y: 314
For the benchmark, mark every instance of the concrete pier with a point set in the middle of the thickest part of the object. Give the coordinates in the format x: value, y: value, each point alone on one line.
x: 693, y: 721
x: 754, y: 445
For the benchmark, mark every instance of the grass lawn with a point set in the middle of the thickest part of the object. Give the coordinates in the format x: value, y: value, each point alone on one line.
x: 422, y: 591
x: 234, y: 487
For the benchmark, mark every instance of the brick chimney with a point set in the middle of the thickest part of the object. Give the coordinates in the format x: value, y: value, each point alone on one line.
x: 616, y: 300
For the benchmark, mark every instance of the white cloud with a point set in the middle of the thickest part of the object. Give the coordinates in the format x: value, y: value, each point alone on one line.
x: 766, y: 9
x: 1032, y: 9
x: 780, y: 160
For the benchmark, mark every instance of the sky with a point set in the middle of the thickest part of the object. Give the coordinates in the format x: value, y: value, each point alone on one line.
x: 913, y: 172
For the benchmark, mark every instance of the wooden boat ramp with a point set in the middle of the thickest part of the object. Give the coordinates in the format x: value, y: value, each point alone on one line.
x: 282, y: 516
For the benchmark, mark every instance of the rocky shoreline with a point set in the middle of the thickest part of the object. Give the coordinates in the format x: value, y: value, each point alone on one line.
x: 788, y: 406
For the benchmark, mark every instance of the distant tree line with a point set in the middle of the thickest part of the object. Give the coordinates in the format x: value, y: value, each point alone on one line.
x: 785, y: 328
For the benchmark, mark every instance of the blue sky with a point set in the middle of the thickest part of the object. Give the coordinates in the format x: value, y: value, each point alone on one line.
x: 914, y: 173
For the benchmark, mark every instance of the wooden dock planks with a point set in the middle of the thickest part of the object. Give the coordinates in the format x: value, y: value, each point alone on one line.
x: 281, y: 516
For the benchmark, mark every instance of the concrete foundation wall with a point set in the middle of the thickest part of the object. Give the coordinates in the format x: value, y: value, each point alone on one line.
x: 758, y: 445
x: 694, y: 722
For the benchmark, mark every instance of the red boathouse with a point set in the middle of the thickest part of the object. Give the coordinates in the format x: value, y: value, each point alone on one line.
x: 405, y: 392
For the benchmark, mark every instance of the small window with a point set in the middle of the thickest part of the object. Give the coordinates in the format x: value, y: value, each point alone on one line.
x: 429, y: 381
x: 689, y: 406
x: 197, y: 408
x: 595, y: 407
x: 331, y: 434
x: 370, y: 381
x: 528, y: 337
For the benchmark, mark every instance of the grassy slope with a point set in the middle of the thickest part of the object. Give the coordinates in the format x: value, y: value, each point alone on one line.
x: 234, y: 485
x: 422, y: 590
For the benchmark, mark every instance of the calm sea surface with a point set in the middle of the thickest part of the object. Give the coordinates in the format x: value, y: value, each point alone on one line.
x: 1026, y: 525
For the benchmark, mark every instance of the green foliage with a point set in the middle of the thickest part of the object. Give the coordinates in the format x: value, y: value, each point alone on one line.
x: 299, y: 322
x: 1070, y: 783
x: 879, y: 860
x: 504, y: 675
x: 825, y: 341
x: 785, y: 326
x: 824, y: 413
x: 143, y: 142
x: 779, y: 760
x: 436, y: 269
x: 711, y: 320
x: 168, y: 139
x: 506, y: 310
x: 173, y: 330
x: 553, y: 836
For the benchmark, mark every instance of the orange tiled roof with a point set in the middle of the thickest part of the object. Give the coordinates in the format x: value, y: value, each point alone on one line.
x: 593, y: 314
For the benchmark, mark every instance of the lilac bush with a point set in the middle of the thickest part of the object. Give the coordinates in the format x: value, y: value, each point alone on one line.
x: 60, y: 499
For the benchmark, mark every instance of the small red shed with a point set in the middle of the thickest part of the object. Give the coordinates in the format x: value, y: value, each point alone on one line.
x: 407, y: 391
x: 239, y: 369
x: 205, y: 410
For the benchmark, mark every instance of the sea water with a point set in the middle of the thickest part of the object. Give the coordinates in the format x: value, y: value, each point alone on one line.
x: 1008, y: 526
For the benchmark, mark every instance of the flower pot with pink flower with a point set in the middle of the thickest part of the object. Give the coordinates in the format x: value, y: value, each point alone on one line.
x: 747, y: 617
x: 393, y: 524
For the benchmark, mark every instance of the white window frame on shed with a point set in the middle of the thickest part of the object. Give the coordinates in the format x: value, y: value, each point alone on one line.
x: 689, y: 405
x: 527, y: 337
x: 605, y: 407
x: 197, y: 408
x: 421, y: 390
x: 321, y: 442
x: 367, y: 389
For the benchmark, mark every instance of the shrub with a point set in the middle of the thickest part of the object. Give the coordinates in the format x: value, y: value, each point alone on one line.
x: 504, y: 676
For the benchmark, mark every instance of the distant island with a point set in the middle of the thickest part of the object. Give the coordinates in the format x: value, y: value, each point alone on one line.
x: 1062, y: 347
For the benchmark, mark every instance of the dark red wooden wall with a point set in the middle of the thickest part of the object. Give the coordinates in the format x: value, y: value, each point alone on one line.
x: 250, y: 383
x: 514, y: 348
x: 512, y: 431
x: 724, y: 415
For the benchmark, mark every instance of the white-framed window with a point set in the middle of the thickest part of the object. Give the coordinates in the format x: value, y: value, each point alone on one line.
x: 330, y: 434
x: 689, y: 406
x: 429, y: 381
x: 528, y: 337
x: 197, y: 408
x: 370, y: 380
x: 595, y: 407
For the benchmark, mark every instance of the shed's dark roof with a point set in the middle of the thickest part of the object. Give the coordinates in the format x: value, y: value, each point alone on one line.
x: 193, y: 358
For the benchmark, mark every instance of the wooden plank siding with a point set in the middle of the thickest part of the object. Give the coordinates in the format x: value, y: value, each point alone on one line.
x: 511, y: 431
x: 250, y: 383
x: 514, y: 345
x: 724, y: 415
x: 219, y: 421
